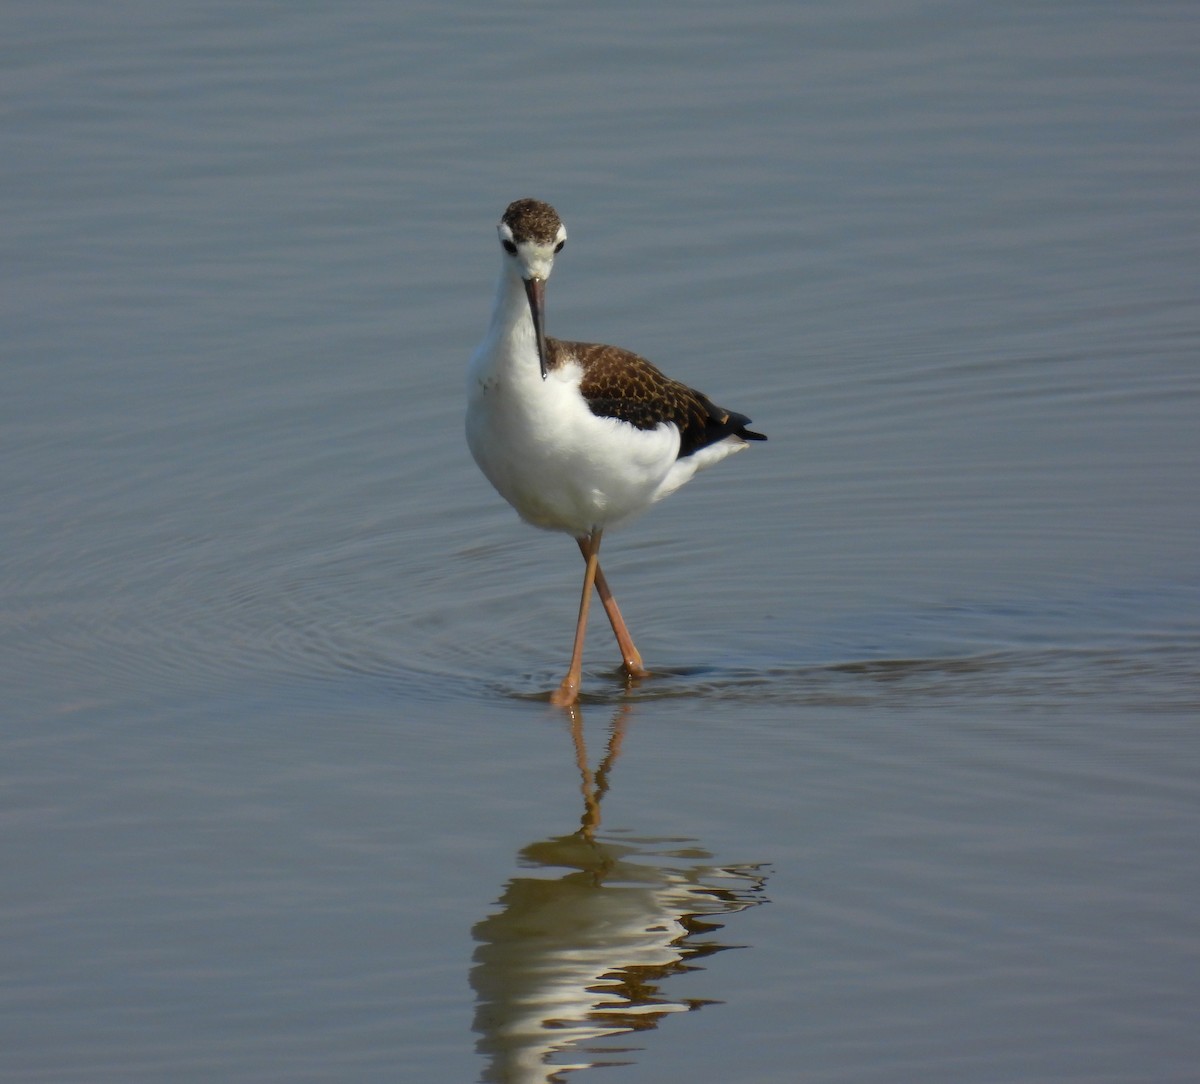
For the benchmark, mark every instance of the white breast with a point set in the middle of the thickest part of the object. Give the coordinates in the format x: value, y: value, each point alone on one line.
x: 558, y: 464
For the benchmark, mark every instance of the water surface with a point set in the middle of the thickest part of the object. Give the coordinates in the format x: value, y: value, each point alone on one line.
x: 912, y: 792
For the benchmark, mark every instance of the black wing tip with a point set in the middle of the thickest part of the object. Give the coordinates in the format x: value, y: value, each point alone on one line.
x: 736, y: 424
x: 721, y: 425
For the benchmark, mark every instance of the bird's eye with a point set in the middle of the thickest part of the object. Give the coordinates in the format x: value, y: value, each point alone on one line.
x: 559, y: 246
x: 509, y: 247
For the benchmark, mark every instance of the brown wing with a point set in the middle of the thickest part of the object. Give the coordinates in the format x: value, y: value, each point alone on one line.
x: 620, y: 384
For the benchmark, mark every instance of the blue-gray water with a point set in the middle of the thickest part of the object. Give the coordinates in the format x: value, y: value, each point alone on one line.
x: 915, y: 792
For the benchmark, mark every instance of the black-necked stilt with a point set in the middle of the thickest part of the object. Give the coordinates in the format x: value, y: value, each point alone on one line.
x: 579, y: 437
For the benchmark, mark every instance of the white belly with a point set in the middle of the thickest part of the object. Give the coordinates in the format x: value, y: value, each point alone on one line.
x: 558, y: 464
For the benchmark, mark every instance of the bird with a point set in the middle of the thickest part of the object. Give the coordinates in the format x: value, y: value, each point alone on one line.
x: 579, y: 437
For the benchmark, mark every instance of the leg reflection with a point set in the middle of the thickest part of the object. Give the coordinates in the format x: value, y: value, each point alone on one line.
x: 580, y: 945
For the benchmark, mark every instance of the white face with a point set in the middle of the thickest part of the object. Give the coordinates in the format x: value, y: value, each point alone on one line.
x: 530, y: 259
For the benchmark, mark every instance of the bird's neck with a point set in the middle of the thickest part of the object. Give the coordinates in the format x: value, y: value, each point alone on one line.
x: 510, y: 333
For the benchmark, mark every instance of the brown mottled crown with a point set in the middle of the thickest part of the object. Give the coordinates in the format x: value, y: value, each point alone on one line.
x: 532, y: 220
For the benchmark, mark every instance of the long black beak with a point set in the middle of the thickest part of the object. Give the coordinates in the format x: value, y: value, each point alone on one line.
x: 535, y: 290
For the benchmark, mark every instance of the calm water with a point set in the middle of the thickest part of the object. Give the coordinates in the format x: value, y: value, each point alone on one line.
x: 913, y: 794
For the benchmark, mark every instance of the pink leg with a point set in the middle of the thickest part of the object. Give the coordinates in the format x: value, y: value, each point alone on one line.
x: 629, y: 654
x: 568, y: 692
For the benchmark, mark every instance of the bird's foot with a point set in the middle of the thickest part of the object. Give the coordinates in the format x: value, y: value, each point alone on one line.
x: 566, y: 695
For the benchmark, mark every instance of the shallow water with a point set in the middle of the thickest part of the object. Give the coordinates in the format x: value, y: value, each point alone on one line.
x: 911, y: 793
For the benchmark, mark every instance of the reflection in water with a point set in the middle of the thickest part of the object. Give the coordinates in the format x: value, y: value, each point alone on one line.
x: 578, y: 956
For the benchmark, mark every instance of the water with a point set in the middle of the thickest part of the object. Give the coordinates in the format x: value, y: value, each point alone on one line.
x: 912, y: 795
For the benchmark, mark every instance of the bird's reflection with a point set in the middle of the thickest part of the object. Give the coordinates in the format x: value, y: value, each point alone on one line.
x: 579, y: 949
